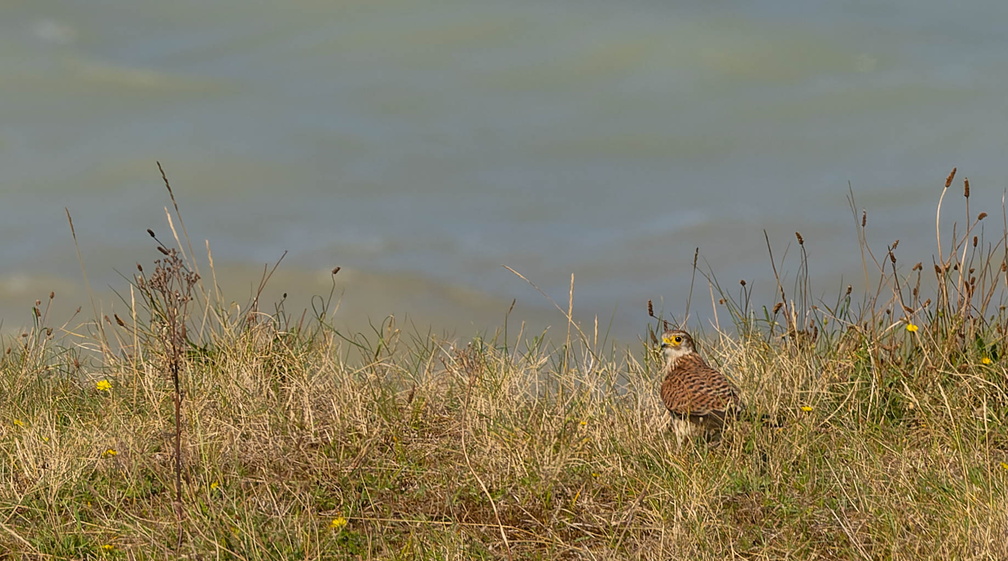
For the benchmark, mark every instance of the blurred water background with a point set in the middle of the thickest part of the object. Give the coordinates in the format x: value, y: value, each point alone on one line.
x: 422, y: 145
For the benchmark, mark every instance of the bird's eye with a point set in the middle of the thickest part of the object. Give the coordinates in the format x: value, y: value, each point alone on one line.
x: 678, y: 338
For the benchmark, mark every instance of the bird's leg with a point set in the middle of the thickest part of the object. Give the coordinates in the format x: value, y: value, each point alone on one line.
x: 682, y: 430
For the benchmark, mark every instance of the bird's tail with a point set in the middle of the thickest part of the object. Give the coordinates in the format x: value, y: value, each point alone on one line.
x: 764, y: 419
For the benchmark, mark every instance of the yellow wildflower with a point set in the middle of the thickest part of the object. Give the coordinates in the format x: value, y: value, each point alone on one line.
x: 103, y: 386
x: 986, y: 360
x: 1004, y: 465
x: 108, y: 547
x: 338, y: 523
x: 806, y: 408
x: 111, y: 452
x: 912, y: 327
x: 214, y: 485
x: 18, y: 423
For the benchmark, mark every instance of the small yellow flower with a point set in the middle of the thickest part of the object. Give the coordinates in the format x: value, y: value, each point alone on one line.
x: 1004, y: 465
x: 986, y: 360
x: 103, y: 386
x: 584, y: 423
x: 18, y: 423
x: 108, y: 547
x: 912, y: 327
x: 110, y: 453
x: 338, y: 523
x: 806, y: 408
x: 594, y: 474
x: 214, y: 485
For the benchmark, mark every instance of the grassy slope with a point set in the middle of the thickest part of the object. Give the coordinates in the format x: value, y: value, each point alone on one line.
x: 301, y: 442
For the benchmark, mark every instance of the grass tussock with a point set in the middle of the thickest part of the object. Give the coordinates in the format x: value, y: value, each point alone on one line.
x: 196, y: 428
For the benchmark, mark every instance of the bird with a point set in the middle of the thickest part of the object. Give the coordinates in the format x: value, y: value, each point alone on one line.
x: 700, y: 398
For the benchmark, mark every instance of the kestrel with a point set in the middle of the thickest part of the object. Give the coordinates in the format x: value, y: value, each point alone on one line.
x: 699, y: 397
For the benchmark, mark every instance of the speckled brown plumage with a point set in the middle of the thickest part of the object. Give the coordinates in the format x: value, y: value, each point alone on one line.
x: 699, y: 397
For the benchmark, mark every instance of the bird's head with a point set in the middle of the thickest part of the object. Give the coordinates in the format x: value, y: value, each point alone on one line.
x: 675, y: 344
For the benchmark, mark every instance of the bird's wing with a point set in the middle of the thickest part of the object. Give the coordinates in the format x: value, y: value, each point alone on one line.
x: 693, y: 388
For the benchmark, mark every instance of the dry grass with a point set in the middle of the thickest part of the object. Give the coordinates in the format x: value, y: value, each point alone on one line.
x: 300, y: 442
